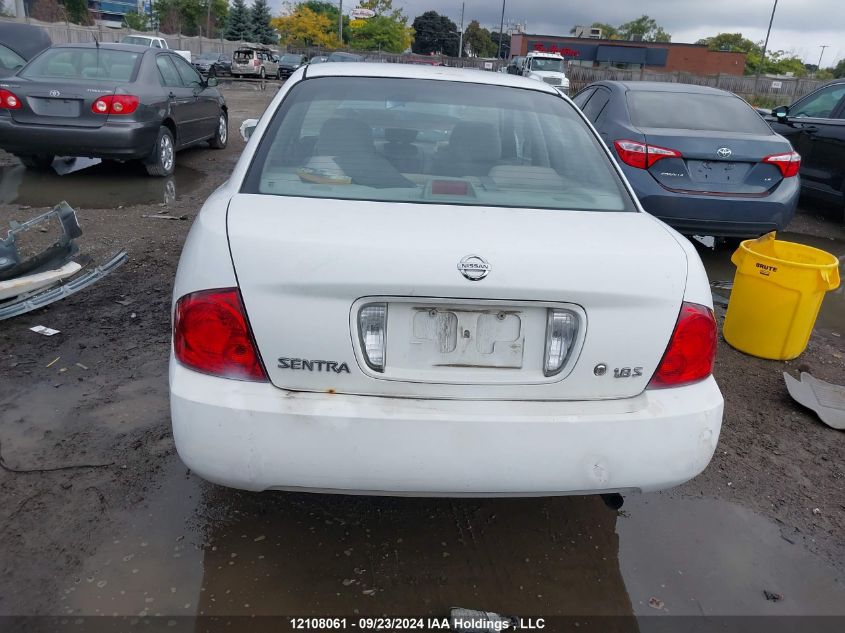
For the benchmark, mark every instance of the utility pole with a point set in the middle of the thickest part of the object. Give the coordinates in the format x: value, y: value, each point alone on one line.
x: 501, y: 29
x: 340, y: 23
x: 765, y: 48
x: 208, y: 21
x: 823, y: 46
x: 461, y: 38
x: 766, y: 43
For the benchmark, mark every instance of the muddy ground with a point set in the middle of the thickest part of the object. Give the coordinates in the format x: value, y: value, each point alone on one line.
x: 98, y: 515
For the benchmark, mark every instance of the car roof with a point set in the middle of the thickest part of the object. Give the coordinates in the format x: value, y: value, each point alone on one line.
x: 111, y: 46
x: 418, y: 71
x: 664, y: 86
x: 27, y: 40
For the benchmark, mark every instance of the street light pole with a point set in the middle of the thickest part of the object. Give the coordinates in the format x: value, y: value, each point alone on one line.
x: 340, y: 23
x: 502, y: 28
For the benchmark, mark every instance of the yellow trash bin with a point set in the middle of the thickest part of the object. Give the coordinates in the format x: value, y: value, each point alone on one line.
x: 777, y: 292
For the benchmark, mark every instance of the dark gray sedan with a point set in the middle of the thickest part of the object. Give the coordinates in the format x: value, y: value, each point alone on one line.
x: 700, y: 159
x: 110, y: 101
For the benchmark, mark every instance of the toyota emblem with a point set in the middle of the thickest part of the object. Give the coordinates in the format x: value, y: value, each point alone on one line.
x: 55, y: 93
x: 724, y: 152
x: 474, y: 267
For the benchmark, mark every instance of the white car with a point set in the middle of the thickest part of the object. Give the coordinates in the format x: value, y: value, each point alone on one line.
x: 430, y: 281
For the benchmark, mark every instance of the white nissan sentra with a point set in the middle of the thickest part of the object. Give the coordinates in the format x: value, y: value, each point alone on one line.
x: 428, y: 281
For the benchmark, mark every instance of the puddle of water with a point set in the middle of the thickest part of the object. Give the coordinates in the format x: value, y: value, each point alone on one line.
x: 200, y: 549
x: 708, y: 557
x: 89, y: 184
x: 832, y: 313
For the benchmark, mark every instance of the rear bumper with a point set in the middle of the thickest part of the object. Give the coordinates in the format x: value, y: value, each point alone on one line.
x: 256, y: 437
x: 251, y: 70
x: 122, y: 140
x: 728, y: 216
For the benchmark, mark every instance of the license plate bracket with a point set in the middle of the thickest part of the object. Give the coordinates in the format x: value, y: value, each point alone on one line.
x: 457, y: 337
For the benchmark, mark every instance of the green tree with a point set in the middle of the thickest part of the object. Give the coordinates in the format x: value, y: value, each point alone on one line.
x: 77, y: 12
x: 646, y: 27
x: 478, y: 40
x: 259, y: 18
x: 137, y: 21
x: 387, y: 31
x: 320, y: 7
x: 435, y: 33
x: 839, y: 70
x: 381, y: 33
x: 238, y: 26
x: 506, y: 43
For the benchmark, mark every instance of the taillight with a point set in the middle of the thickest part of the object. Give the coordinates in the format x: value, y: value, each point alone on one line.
x: 115, y: 104
x: 561, y: 330
x: 211, y: 335
x: 788, y: 163
x: 691, y: 351
x: 256, y: 63
x: 642, y: 156
x: 372, y: 324
x: 9, y: 100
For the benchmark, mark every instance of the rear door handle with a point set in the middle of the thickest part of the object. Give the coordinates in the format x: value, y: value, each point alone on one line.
x: 809, y: 129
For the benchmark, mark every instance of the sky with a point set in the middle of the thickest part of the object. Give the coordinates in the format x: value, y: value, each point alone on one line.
x: 800, y: 26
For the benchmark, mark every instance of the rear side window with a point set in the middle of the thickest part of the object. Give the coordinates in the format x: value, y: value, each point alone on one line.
x: 691, y: 111
x: 169, y: 76
x: 438, y: 142
x: 83, y: 63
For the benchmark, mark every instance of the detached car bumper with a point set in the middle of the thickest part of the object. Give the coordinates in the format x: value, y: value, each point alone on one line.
x: 714, y: 214
x: 121, y: 140
x: 256, y: 436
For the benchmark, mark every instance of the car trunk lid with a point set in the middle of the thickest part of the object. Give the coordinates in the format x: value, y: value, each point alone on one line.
x: 719, y: 163
x: 305, y: 267
x: 51, y: 102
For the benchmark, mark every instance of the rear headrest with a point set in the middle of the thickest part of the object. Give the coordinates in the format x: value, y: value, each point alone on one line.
x: 344, y: 136
x: 479, y: 141
x: 400, y: 135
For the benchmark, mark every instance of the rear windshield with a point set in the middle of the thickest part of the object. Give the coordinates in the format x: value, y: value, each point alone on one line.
x: 140, y: 41
x: 242, y: 56
x: 690, y: 111
x: 345, y: 57
x: 438, y: 142
x: 292, y: 59
x: 97, y: 64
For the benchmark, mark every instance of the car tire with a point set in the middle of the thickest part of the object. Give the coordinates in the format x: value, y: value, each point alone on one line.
x: 262, y: 74
x: 162, y: 161
x: 36, y: 161
x: 221, y: 136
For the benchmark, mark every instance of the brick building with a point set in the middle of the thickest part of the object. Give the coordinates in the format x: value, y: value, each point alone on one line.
x: 655, y: 56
